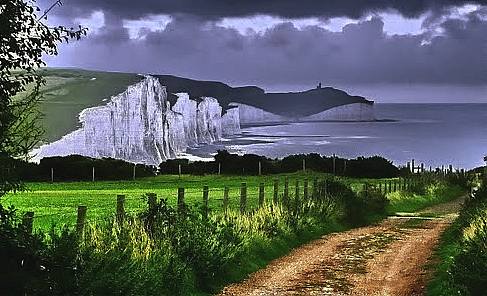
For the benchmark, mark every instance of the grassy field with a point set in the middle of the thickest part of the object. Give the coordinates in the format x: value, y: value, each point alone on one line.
x: 57, y: 202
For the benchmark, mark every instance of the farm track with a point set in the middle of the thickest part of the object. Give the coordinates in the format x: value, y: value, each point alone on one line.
x: 389, y: 258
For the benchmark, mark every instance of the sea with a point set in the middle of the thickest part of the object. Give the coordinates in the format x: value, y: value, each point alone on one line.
x: 433, y: 134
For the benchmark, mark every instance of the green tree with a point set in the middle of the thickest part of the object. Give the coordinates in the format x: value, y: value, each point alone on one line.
x: 24, y: 40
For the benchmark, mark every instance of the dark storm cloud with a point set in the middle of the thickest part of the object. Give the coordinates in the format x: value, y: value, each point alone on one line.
x: 214, y: 9
x: 361, y: 54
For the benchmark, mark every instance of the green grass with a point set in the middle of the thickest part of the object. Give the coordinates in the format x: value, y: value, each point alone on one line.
x: 462, y: 255
x: 58, y: 202
x: 409, y: 202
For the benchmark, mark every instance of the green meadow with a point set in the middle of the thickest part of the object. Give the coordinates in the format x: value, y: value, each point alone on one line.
x: 57, y: 202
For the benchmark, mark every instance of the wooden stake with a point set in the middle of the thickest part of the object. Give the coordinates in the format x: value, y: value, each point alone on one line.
x: 80, y: 220
x: 261, y: 194
x: 120, y: 208
x: 243, y: 198
x: 151, y: 200
x: 205, y: 201
x: 180, y: 199
x: 225, y: 198
x: 275, y: 198
x: 28, y: 221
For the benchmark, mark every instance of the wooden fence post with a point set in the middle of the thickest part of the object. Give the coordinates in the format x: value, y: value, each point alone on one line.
x: 52, y: 175
x: 205, y: 201
x: 179, y: 171
x: 133, y: 173
x: 304, y: 165
x: 243, y: 197
x: 305, y: 190
x: 93, y: 174
x: 219, y: 168
x: 285, y: 197
x: 296, y: 197
x: 180, y: 199
x: 151, y: 200
x: 80, y: 220
x: 261, y: 194
x: 120, y: 208
x: 275, y: 198
x: 28, y: 221
x: 225, y: 198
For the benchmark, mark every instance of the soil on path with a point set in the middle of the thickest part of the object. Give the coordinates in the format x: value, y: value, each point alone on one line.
x: 389, y: 258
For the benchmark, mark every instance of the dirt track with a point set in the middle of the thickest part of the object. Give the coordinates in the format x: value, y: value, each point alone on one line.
x: 384, y: 259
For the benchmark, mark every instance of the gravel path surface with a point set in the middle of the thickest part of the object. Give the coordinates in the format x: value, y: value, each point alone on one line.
x: 389, y: 258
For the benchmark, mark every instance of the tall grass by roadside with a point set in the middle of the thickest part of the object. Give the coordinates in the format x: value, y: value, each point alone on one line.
x: 426, y: 192
x: 175, y: 251
x: 462, y: 254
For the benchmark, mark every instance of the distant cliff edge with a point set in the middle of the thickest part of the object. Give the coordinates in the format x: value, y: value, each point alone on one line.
x: 158, y: 117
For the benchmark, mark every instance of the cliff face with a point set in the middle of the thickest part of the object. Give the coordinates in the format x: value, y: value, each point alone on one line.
x: 188, y: 109
x: 252, y: 115
x: 140, y: 126
x: 231, y: 122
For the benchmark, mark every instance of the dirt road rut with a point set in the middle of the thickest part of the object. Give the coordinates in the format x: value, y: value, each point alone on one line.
x: 389, y: 258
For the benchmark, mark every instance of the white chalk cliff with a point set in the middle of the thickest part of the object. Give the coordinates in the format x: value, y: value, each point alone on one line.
x: 252, y: 115
x: 140, y: 126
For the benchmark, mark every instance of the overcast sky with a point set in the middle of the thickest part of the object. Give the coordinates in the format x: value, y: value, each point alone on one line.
x: 389, y: 51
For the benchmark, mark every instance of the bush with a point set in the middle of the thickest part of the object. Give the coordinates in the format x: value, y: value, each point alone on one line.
x: 356, y: 209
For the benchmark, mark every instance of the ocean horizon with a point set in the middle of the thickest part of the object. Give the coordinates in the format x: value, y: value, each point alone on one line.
x: 435, y: 134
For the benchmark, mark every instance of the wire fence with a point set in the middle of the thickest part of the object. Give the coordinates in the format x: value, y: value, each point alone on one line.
x: 244, y: 197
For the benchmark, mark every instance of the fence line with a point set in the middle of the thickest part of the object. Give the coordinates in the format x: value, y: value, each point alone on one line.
x: 269, y: 191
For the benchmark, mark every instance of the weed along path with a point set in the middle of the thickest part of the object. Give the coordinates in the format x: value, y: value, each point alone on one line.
x: 389, y: 258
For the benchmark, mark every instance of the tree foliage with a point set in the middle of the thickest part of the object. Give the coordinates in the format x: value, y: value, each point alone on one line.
x: 24, y: 40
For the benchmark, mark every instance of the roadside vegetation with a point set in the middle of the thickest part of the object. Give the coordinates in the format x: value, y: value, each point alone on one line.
x: 176, y: 250
x: 169, y: 249
x: 462, y: 255
x: 428, y: 191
